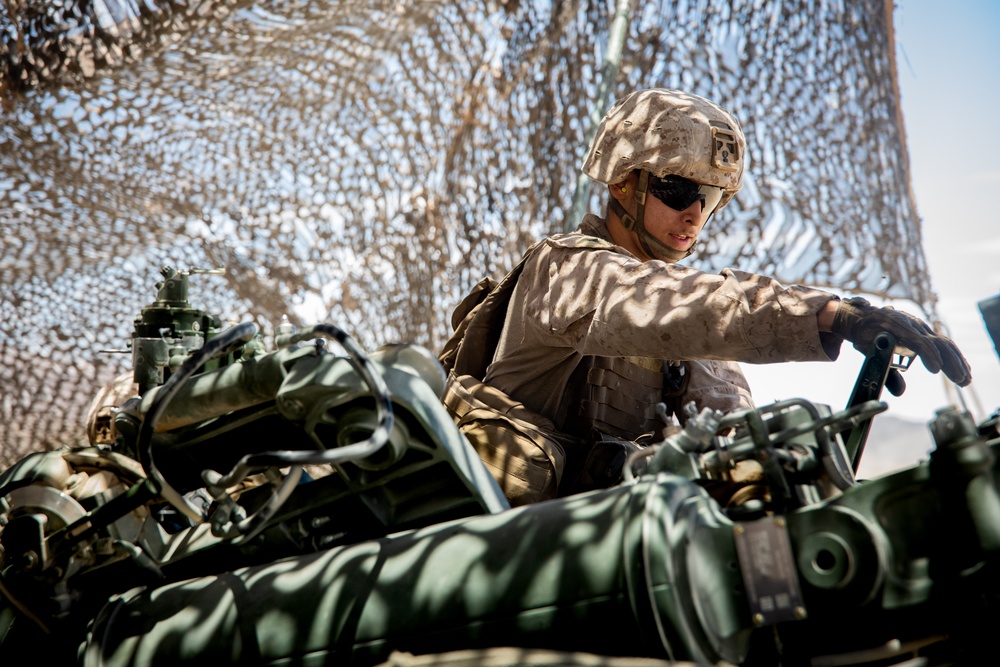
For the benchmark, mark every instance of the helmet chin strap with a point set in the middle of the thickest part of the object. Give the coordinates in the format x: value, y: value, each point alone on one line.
x: 652, y: 246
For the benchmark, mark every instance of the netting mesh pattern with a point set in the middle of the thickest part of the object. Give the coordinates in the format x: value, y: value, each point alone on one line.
x: 366, y: 162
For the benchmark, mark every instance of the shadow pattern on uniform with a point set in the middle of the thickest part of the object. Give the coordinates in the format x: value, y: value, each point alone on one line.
x: 366, y: 162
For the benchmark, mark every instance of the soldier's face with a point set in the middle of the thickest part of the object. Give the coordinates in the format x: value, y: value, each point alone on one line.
x: 675, y: 229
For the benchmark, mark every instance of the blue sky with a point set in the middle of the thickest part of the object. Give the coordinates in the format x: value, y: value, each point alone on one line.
x: 947, y: 58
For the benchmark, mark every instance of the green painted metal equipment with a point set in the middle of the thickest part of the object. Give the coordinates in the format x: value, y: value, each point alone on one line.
x: 300, y: 506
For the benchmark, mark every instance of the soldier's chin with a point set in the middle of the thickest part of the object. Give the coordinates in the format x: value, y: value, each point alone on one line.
x: 680, y: 244
x: 668, y: 253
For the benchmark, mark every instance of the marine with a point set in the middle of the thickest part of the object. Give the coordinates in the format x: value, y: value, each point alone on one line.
x: 602, y: 324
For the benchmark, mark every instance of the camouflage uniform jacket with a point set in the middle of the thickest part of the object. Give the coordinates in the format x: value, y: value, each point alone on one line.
x: 580, y: 294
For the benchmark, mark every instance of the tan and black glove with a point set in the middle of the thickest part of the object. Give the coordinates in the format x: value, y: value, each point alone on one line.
x: 860, y: 322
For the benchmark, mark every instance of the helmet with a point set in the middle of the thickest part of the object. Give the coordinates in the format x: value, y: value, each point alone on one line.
x: 666, y: 132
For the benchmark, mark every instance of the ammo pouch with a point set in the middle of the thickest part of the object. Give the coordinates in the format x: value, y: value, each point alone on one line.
x: 519, y: 447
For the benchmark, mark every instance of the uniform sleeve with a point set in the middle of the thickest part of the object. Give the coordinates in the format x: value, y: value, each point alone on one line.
x: 604, y: 303
x: 719, y: 385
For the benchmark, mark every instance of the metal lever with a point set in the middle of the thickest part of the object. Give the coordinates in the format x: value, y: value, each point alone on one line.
x: 868, y: 387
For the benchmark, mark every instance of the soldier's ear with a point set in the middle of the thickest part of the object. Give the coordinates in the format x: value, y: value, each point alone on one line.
x: 623, y: 189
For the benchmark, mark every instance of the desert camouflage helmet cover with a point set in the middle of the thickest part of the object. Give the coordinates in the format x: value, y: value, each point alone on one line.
x: 669, y: 132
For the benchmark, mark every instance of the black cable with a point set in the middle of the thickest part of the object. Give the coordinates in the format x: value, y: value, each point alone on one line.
x: 379, y: 437
x: 219, y: 345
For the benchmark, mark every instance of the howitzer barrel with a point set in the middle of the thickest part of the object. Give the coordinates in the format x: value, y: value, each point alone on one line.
x: 219, y: 392
x: 610, y: 572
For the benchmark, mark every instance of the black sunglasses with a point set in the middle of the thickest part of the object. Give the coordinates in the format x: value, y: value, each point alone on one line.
x: 678, y: 193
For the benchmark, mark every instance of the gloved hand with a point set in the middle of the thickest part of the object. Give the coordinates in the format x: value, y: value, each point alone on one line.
x: 860, y: 322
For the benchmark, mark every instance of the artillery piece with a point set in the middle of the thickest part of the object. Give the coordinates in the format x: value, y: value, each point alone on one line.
x: 301, y: 506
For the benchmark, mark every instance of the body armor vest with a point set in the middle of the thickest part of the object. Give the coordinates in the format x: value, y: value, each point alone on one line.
x: 613, y: 396
x: 531, y: 457
x: 618, y: 396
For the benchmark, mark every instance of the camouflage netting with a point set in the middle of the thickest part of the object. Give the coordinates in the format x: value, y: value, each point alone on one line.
x: 365, y: 162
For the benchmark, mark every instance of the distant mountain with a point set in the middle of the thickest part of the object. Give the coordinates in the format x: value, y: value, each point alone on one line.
x: 894, y: 443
